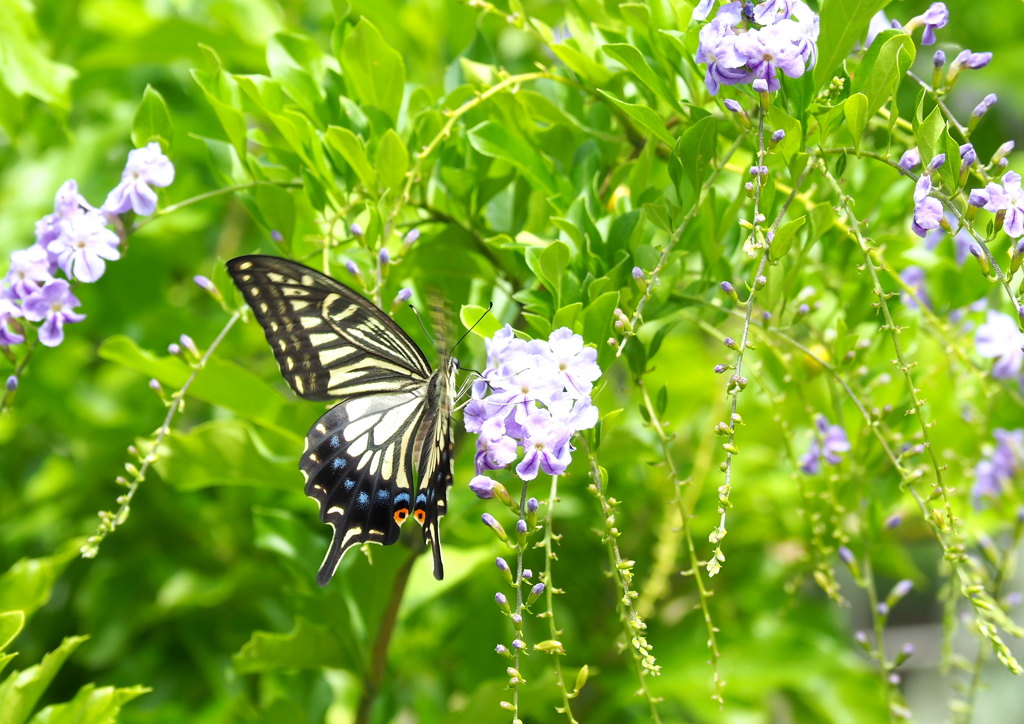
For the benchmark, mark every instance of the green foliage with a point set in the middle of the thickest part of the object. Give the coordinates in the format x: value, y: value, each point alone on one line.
x: 541, y: 152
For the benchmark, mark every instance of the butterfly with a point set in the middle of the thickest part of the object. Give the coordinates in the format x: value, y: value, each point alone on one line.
x: 393, y: 421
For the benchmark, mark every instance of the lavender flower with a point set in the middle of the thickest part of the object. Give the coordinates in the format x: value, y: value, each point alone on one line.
x: 914, y: 277
x: 702, y: 10
x: 403, y: 296
x: 12, y: 383
x: 53, y: 305
x: 82, y: 245
x: 999, y: 337
x: 146, y: 167
x: 1008, y: 197
x: 356, y: 229
x: 8, y: 312
x: 30, y: 268
x: 829, y: 441
x: 994, y: 474
x: 936, y: 16
x: 412, y: 237
x: 384, y: 256
x: 927, y: 209
x: 534, y: 394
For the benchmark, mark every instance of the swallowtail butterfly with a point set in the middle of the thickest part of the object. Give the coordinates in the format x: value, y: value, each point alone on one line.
x: 384, y: 452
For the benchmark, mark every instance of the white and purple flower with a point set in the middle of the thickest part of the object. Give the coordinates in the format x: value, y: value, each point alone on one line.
x: 828, y: 441
x: 993, y: 474
x: 534, y: 395
x: 999, y: 337
x: 777, y: 35
x: 82, y: 245
x: 146, y: 167
x: 53, y: 305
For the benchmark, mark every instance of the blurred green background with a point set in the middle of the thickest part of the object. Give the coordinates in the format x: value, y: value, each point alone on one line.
x: 221, y: 542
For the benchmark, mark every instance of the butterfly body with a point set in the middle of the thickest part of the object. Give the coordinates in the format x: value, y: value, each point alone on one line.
x: 384, y: 452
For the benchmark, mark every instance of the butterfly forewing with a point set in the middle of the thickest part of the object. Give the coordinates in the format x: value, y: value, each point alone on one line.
x: 329, y: 341
x: 394, y: 414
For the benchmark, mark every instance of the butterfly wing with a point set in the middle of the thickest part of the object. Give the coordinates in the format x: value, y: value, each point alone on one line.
x: 434, y: 451
x: 329, y: 341
x: 332, y: 343
x: 358, y: 467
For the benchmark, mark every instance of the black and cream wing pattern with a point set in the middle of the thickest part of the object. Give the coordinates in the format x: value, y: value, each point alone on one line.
x: 384, y: 452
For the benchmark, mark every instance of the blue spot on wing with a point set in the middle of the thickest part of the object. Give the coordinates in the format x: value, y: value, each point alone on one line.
x: 362, y: 500
x: 383, y: 495
x: 337, y: 464
x: 421, y: 498
x: 402, y: 498
x: 349, y: 484
x: 335, y: 442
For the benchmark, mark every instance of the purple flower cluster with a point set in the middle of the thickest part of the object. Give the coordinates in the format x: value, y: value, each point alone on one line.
x: 533, y: 395
x: 745, y: 44
x: 993, y: 474
x: 76, y: 240
x: 828, y: 441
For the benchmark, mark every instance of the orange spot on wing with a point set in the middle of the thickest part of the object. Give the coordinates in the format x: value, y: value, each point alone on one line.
x: 421, y: 516
x: 401, y: 514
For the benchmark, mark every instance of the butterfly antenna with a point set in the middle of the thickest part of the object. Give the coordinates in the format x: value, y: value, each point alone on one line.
x: 466, y: 334
x: 424, y: 328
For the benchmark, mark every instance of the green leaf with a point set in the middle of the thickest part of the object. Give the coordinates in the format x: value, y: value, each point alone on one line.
x: 221, y: 382
x: 24, y: 68
x: 566, y: 316
x: 152, y: 120
x: 373, y: 69
x: 856, y: 110
x: 661, y: 403
x: 630, y: 57
x: 597, y: 326
x: 658, y: 338
x: 21, y: 689
x: 494, y: 140
x: 929, y: 136
x: 227, y: 452
x: 881, y: 72
x: 11, y: 623
x: 480, y: 320
x: 460, y: 564
x: 27, y: 585
x: 552, y: 263
x: 90, y: 706
x: 595, y: 73
x: 350, y: 147
x: 644, y: 116
x: 695, y: 151
x: 843, y: 24
x: 784, y: 238
x: 392, y: 163
x: 307, y: 646
x: 222, y: 94
x: 297, y: 63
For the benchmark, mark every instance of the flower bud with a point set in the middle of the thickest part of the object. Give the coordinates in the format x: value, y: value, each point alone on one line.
x: 276, y: 236
x: 778, y: 136
x: 155, y: 386
x: 356, y: 230
x: 519, y: 644
x: 412, y: 237
x: 910, y: 159
x: 730, y: 291
x: 734, y: 106
x: 983, y: 262
x: 535, y: 593
x: 1002, y: 152
x: 527, y: 573
x: 502, y: 650
x: 893, y: 521
x: 494, y: 525
x: 936, y: 163
x: 173, y: 349
x: 720, y: 369
x: 760, y: 85
x: 483, y: 487
x: 352, y: 268
x: 403, y: 296
x: 898, y: 591
x: 939, y: 59
x: 638, y: 274
x: 503, y: 568
x: 521, y: 527
x: 204, y: 283
x: 12, y: 383
x: 978, y: 198
x: 499, y: 598
x: 384, y: 256
x: 188, y: 344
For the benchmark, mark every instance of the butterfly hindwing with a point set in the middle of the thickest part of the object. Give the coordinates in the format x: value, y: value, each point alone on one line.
x: 358, y: 467
x: 393, y: 424
x: 329, y: 341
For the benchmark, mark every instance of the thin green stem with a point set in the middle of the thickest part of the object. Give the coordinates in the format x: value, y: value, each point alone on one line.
x: 549, y: 592
x: 110, y: 521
